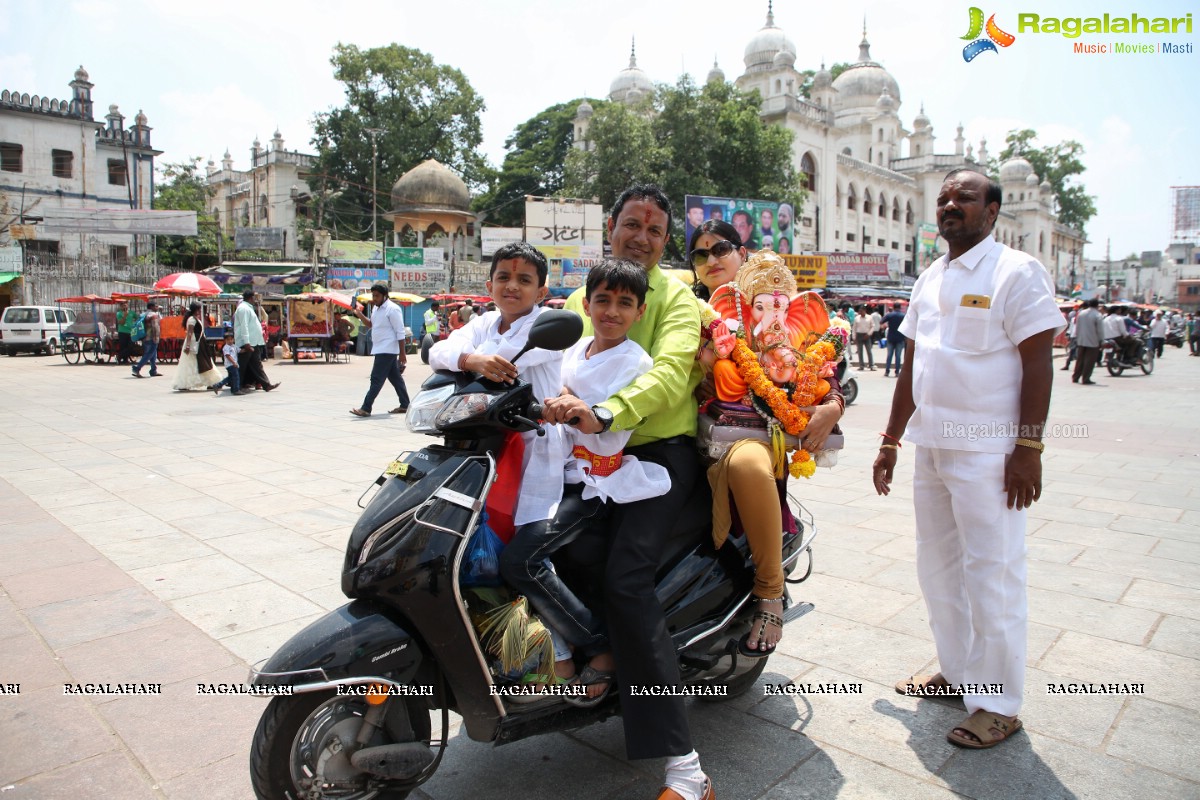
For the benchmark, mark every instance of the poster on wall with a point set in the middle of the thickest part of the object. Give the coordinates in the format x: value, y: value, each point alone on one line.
x: 492, y: 239
x: 762, y: 224
x: 560, y: 227
x: 416, y: 269
x: 351, y: 279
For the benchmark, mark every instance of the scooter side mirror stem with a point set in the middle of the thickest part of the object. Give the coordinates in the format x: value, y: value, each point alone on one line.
x: 554, y: 329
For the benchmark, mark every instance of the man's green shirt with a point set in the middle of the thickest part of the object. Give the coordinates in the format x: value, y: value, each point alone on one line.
x: 659, y: 404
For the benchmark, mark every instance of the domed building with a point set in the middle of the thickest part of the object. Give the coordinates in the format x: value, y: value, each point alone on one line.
x: 430, y: 199
x: 872, y: 182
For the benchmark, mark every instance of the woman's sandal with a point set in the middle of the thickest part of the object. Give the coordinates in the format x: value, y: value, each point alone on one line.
x: 591, y: 677
x: 758, y: 627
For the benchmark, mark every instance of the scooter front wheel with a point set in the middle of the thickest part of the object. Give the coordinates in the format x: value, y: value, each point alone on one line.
x: 298, y: 746
x: 850, y: 391
x: 1148, y: 362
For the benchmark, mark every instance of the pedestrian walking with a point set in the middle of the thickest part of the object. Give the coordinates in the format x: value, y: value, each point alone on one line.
x: 152, y: 322
x: 387, y: 346
x: 864, y: 331
x: 1158, y: 333
x: 1072, y: 347
x: 1089, y: 335
x: 248, y: 337
x: 895, y: 340
x: 983, y: 315
x: 1193, y: 334
x: 195, y: 369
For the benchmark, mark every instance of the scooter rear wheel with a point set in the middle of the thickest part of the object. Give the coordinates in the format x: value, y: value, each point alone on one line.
x: 297, y: 733
x: 740, y: 685
x: 850, y: 391
x: 1114, y: 368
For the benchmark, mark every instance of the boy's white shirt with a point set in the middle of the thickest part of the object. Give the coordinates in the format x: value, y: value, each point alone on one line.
x: 594, y: 380
x: 541, y: 476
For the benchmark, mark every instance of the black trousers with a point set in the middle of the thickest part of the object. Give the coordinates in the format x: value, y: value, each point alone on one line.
x: 252, y: 369
x: 125, y: 351
x: 1085, y: 362
x: 655, y: 727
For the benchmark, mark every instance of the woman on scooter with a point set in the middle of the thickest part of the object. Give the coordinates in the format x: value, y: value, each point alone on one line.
x: 717, y: 255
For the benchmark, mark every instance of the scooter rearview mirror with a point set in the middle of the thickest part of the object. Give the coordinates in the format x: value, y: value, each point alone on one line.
x: 554, y: 329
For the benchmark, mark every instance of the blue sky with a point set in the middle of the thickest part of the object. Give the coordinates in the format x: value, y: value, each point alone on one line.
x: 215, y: 74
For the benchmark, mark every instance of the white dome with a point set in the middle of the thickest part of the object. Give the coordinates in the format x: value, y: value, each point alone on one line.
x: 585, y: 110
x: 861, y: 84
x: 1046, y: 187
x: 716, y: 74
x: 921, y: 121
x: 885, y: 104
x: 1015, y: 169
x: 783, y: 59
x: 630, y: 81
x: 768, y: 43
x: 823, y: 79
x: 1031, y: 179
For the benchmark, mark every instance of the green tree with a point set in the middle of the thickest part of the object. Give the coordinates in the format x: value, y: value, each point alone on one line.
x: 806, y: 77
x: 704, y: 140
x: 182, y: 188
x: 1058, y: 164
x: 421, y: 110
x: 535, y: 163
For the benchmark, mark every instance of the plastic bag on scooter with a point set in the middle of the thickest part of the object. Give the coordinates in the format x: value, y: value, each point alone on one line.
x: 481, y: 565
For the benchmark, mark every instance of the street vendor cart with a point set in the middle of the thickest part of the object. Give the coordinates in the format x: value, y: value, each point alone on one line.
x: 309, y: 329
x: 92, y: 337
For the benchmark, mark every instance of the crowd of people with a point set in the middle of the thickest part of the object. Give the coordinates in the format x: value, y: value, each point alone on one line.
x: 1131, y: 330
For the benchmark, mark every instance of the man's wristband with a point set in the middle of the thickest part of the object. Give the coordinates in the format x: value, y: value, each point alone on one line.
x: 1033, y: 444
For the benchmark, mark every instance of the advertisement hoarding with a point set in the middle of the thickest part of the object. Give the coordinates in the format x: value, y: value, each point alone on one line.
x: 492, y: 239
x: 810, y: 271
x: 352, y: 279
x: 417, y: 269
x: 259, y: 238
x: 552, y: 225
x: 346, y: 252
x: 762, y: 224
x: 843, y: 267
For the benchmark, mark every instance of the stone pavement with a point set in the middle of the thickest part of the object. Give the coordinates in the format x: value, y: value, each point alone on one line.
x: 152, y: 537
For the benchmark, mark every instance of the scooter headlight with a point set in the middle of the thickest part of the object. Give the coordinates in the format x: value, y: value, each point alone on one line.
x: 463, y: 407
x: 424, y: 408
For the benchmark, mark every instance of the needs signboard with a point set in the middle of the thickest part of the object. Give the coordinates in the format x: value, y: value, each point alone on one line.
x: 416, y: 269
x: 762, y: 224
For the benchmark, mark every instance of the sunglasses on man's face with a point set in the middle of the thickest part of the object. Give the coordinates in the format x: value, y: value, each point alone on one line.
x: 718, y: 250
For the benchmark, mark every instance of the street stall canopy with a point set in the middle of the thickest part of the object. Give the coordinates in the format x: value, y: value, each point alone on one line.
x: 190, y: 283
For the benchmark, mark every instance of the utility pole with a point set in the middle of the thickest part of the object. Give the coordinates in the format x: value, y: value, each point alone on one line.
x: 374, y: 192
x: 1108, y: 261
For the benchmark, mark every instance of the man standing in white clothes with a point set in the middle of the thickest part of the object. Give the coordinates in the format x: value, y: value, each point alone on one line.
x: 973, y: 399
x: 387, y: 346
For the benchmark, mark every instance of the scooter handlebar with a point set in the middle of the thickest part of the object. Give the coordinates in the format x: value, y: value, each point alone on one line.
x: 536, y: 410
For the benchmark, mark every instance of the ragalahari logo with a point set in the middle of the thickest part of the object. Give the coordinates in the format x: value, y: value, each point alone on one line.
x: 995, y: 36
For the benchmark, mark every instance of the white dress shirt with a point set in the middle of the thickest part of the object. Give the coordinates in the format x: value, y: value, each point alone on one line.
x: 542, y: 471
x: 966, y: 371
x: 387, y: 329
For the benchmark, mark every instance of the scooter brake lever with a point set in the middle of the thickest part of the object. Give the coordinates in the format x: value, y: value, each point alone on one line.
x: 540, y: 430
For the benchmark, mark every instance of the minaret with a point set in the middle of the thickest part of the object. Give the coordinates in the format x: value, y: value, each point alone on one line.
x: 81, y: 94
x: 983, y: 153
x: 959, y: 141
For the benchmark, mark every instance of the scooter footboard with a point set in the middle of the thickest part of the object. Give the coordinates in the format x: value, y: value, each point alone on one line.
x: 357, y: 643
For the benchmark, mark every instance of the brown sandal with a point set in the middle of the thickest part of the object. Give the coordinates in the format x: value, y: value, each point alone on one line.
x: 758, y: 627
x: 983, y: 729
x: 934, y: 685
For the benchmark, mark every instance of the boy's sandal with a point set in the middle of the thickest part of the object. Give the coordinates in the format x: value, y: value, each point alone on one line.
x: 983, y: 729
x: 934, y: 685
x: 758, y: 627
x: 591, y: 677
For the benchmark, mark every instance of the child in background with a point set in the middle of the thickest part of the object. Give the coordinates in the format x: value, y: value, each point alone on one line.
x: 596, y: 471
x: 234, y: 378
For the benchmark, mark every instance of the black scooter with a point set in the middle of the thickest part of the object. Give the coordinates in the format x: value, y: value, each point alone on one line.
x: 356, y: 687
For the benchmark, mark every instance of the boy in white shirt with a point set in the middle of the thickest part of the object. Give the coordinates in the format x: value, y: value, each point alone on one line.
x: 485, y: 345
x: 596, y: 470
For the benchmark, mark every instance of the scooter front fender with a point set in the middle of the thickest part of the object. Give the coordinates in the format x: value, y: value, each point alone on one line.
x: 353, y: 644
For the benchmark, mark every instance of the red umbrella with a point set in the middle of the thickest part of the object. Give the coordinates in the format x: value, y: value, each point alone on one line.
x: 332, y: 297
x: 188, y: 283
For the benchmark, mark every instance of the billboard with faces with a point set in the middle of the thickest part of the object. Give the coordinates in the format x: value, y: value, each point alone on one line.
x: 762, y: 224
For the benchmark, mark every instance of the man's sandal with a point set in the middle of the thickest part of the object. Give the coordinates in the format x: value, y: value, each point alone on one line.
x: 983, y: 729
x: 591, y: 677
x: 758, y: 627
x: 934, y: 685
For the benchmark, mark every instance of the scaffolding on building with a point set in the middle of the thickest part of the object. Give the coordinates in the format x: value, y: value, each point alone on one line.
x: 1185, y: 214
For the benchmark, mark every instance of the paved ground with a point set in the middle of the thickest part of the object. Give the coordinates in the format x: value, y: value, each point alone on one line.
x: 156, y: 537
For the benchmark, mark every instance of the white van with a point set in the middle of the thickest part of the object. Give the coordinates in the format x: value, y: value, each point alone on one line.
x: 35, y: 329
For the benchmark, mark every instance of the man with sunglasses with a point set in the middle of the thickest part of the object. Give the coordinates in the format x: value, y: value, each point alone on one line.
x: 660, y: 409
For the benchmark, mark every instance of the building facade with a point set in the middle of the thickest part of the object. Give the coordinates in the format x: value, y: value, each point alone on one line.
x: 272, y: 193
x: 56, y: 154
x: 872, y: 181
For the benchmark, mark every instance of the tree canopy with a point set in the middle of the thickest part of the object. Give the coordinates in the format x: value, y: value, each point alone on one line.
x: 700, y: 140
x: 182, y: 188
x: 535, y: 163
x: 420, y: 110
x: 1058, y: 164
x: 806, y: 77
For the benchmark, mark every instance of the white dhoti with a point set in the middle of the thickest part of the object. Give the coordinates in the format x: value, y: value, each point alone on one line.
x: 971, y: 567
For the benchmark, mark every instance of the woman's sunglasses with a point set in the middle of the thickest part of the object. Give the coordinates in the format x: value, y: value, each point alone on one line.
x: 718, y: 250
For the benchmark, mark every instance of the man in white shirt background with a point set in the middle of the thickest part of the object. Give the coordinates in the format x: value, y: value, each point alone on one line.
x: 1158, y: 333
x: 973, y: 399
x: 864, y: 336
x: 387, y: 347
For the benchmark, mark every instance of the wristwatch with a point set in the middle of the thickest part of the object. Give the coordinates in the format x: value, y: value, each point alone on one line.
x: 604, y: 417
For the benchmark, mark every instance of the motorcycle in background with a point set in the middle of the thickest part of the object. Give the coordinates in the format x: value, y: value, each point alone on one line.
x: 1116, y: 362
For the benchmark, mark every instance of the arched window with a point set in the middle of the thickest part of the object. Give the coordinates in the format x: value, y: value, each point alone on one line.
x: 263, y: 209
x: 1042, y: 242
x: 866, y: 201
x: 882, y: 205
x: 851, y: 199
x: 808, y: 168
x: 908, y: 214
x: 895, y: 210
x: 1022, y: 197
x: 881, y: 134
x: 917, y: 149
